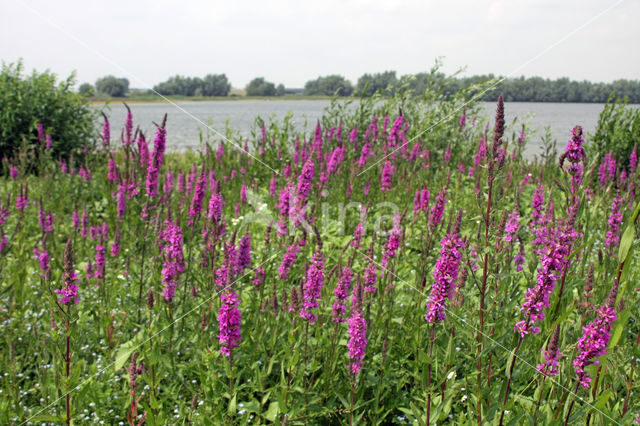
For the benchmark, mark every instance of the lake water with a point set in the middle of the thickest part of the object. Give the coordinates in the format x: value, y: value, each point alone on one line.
x: 186, y: 120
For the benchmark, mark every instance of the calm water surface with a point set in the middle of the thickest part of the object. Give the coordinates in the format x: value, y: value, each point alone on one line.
x: 184, y: 128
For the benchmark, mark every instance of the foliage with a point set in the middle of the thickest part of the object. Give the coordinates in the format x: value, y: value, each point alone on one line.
x: 210, y: 85
x: 86, y: 89
x: 259, y: 87
x: 28, y: 100
x: 384, y: 82
x: 330, y: 85
x: 112, y: 86
x: 134, y: 352
x: 617, y: 131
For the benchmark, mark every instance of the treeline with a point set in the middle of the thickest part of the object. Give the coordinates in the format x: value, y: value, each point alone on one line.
x: 522, y: 89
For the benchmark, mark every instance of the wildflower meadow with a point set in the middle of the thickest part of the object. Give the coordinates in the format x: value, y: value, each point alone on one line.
x: 403, y: 262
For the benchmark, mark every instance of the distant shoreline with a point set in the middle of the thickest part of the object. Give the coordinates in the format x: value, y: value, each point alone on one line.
x: 157, y: 99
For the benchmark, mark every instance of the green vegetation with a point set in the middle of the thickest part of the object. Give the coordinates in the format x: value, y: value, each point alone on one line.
x: 112, y: 86
x: 618, y: 130
x: 210, y: 85
x: 260, y: 87
x: 331, y: 85
x: 26, y: 101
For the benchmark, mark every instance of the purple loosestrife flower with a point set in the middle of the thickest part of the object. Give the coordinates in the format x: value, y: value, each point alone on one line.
x: 305, y: 181
x: 607, y: 170
x: 537, y: 298
x: 143, y: 150
x: 229, y: 322
x: 357, y: 332
x: 393, y: 243
x: 43, y: 257
x: 356, y: 241
x: 284, y: 206
x: 84, y: 224
x: 128, y: 126
x: 335, y: 160
x: 258, y: 279
x: 364, y: 154
x: 112, y: 173
x: 100, y: 261
x: 3, y: 243
x: 273, y: 186
x: 574, y: 152
x: 48, y: 143
x: 463, y: 120
x: 121, y: 201
x: 313, y: 287
x: 171, y: 243
x: 216, y: 203
x: 594, y: 341
x: 370, y: 277
x: 512, y: 225
x: 69, y: 292
x: 633, y: 160
x: 551, y: 355
x: 445, y: 276
x: 388, y: 170
x: 244, y: 253
x: 615, y: 220
x: 341, y: 291
x: 438, y: 208
x: 115, y: 247
x: 13, y: 172
x: 156, y: 159
x: 106, y: 132
x: 198, y: 196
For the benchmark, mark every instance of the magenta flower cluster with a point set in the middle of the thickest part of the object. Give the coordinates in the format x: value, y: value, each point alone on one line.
x: 313, y: 287
x: 229, y: 322
x: 445, y: 276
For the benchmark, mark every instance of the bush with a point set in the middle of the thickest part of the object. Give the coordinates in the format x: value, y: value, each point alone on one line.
x: 86, y: 89
x: 38, y: 98
x: 331, y: 85
x: 618, y: 130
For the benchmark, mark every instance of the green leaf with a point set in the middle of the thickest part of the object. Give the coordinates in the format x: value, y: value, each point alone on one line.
x: 125, y: 351
x: 272, y: 412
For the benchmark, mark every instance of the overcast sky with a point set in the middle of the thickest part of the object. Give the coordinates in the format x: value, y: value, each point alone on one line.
x: 292, y: 41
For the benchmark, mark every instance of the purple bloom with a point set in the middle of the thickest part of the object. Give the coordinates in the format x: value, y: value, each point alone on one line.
x: 68, y: 293
x: 356, y: 241
x: 305, y: 181
x: 244, y: 254
x: 115, y: 248
x: 445, y: 276
x: 537, y: 298
x: 370, y: 277
x: 49, y: 142
x: 438, y: 209
x: 121, y: 204
x: 229, y: 322
x: 273, y: 186
x: 40, y: 133
x: 143, y: 150
x: 595, y: 339
x: 171, y: 244
x: 288, y: 260
x: 243, y: 193
x: 607, y: 170
x: 364, y: 154
x: 100, y: 262
x: 128, y: 126
x: 357, y: 332
x: 156, y: 160
x: 215, y: 207
x: 258, y: 277
x: 106, y: 132
x: 13, y: 172
x: 393, y: 243
x: 615, y: 220
x: 388, y: 170
x: 511, y: 228
x: 633, y: 160
x: 198, y: 196
x: 313, y: 287
x: 341, y: 291
x: 463, y: 120
x: 43, y: 258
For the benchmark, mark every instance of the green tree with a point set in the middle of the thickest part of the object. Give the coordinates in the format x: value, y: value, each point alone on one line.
x: 86, y: 89
x: 260, y: 87
x: 280, y: 90
x: 112, y: 86
x: 330, y: 85
x: 215, y: 85
x: 26, y: 101
x: 384, y: 82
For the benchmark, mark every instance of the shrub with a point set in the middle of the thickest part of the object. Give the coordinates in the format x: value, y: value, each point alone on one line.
x: 618, y: 130
x: 26, y: 101
x: 112, y: 86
